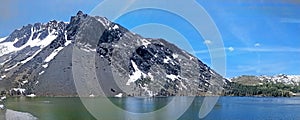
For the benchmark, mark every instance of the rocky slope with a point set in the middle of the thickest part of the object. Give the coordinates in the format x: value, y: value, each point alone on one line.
x: 37, y: 59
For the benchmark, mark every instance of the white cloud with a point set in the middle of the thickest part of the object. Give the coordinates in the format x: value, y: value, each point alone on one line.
x: 207, y: 42
x: 231, y: 49
x: 256, y: 44
x: 289, y: 20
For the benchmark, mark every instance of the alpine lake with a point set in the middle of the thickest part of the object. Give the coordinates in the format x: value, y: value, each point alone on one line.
x: 226, y: 108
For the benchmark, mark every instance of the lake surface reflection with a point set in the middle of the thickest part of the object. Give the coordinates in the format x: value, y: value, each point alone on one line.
x: 227, y: 108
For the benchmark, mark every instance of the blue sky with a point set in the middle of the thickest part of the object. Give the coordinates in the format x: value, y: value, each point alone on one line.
x: 260, y: 37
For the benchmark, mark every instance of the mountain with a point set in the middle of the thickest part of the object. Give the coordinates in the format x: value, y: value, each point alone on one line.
x: 39, y: 59
x: 277, y: 86
x: 276, y: 79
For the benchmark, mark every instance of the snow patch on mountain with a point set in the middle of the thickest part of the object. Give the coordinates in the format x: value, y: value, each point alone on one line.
x: 137, y: 74
x: 103, y: 21
x: 145, y: 42
x: 119, y: 95
x: 53, y: 54
x: 42, y: 43
x: 2, y: 39
x: 25, y: 81
x: 182, y: 84
x: 87, y: 48
x: 115, y: 27
x: 8, y: 47
x: 41, y: 72
x: 32, y: 56
x: 21, y: 90
x: 282, y: 78
x: 166, y: 60
x: 8, y: 69
x: 31, y: 95
x: 45, y: 65
x: 68, y: 42
x: 7, y: 60
x: 3, y: 76
x: 172, y: 77
x: 175, y: 55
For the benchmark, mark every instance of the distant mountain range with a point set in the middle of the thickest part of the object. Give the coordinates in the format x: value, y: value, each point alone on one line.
x: 263, y: 79
x: 277, y: 86
x: 37, y: 60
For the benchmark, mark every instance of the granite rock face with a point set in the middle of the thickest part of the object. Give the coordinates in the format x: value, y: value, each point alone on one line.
x: 38, y: 59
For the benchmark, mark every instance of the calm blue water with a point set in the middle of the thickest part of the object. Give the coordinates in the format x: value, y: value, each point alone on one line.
x: 227, y: 108
x: 255, y: 108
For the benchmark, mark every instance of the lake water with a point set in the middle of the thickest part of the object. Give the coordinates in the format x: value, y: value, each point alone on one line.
x: 227, y: 108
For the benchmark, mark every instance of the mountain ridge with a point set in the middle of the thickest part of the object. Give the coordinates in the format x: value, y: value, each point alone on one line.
x: 261, y: 79
x: 276, y: 86
x: 39, y: 61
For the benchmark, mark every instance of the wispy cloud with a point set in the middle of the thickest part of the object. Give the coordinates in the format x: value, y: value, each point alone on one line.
x: 207, y: 42
x: 290, y: 20
x: 279, y: 49
x: 262, y: 69
x: 230, y: 49
x: 256, y: 44
x: 253, y: 49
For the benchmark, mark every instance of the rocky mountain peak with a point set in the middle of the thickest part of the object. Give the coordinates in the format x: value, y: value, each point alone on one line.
x: 39, y: 61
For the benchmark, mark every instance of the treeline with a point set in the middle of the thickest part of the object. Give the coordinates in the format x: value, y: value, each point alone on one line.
x: 266, y: 89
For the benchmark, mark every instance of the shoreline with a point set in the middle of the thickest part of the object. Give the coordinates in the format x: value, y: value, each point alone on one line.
x: 9, y: 114
x: 256, y: 96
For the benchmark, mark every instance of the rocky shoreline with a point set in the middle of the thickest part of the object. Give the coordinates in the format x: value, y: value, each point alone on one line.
x: 16, y: 115
x: 8, y: 114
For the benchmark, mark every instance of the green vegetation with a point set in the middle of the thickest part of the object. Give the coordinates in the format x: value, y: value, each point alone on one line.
x: 266, y: 89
